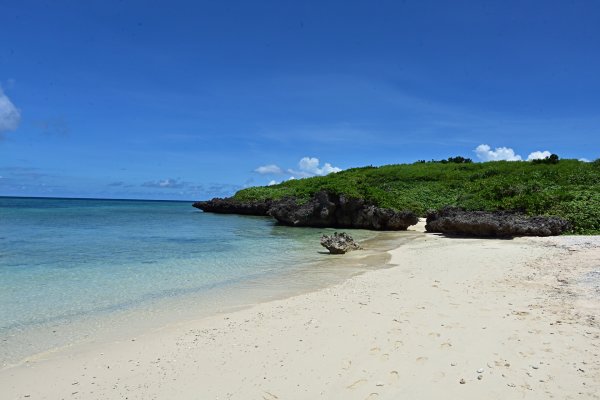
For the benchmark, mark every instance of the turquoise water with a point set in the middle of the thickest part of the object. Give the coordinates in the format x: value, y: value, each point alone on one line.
x: 64, y: 261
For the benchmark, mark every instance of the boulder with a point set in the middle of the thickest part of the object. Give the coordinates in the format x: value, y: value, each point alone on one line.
x: 456, y: 221
x: 339, y: 243
x: 327, y: 209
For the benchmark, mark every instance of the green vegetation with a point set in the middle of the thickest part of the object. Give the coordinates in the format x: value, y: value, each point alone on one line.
x: 569, y: 188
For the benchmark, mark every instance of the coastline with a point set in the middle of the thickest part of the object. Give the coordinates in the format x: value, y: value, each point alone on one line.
x: 318, y: 271
x: 445, y: 309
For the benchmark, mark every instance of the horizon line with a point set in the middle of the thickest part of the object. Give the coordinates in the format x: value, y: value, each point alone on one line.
x: 92, y: 198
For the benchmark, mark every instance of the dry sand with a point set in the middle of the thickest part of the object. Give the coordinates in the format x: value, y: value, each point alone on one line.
x: 451, y: 319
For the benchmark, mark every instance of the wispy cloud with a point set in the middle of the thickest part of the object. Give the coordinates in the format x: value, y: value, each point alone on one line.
x: 22, y: 172
x: 169, y: 183
x: 392, y: 115
x: 270, y: 169
x: 10, y: 116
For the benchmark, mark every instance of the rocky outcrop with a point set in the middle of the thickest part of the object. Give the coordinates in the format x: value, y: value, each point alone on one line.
x: 339, y: 243
x: 326, y: 209
x: 456, y: 221
x: 231, y: 206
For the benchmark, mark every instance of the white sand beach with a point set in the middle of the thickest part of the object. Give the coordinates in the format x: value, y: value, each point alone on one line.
x: 451, y: 318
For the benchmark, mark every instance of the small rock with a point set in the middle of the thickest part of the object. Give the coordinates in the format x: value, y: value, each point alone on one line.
x: 462, y: 381
x: 479, y: 377
x: 480, y: 371
x: 379, y: 384
x: 453, y: 364
x: 339, y: 243
x: 534, y: 367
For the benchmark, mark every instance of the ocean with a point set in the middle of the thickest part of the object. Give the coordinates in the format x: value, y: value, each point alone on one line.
x: 77, y: 270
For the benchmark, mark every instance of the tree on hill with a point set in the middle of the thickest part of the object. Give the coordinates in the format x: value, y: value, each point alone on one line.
x: 552, y: 159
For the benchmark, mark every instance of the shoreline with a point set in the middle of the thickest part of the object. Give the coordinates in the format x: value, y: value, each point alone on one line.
x: 444, y: 309
x: 110, y: 326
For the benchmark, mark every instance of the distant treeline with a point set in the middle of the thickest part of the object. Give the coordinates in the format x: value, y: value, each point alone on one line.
x: 452, y: 160
x: 552, y: 159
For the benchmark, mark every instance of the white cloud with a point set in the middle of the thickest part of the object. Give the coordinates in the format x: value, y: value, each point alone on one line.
x: 269, y: 169
x: 538, y: 155
x: 10, y: 116
x: 583, y: 159
x: 485, y: 153
x: 309, y: 166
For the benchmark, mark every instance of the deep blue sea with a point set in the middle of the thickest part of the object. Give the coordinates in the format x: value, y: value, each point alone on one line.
x: 70, y: 268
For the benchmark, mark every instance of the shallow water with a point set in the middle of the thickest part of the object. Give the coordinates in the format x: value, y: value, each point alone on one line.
x: 75, y: 270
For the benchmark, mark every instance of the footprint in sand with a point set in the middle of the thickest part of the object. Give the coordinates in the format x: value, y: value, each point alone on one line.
x: 394, y: 377
x: 434, y: 334
x: 521, y: 314
x: 372, y: 396
x: 438, y: 376
x: 421, y: 360
x: 356, y: 384
x: 375, y: 350
x: 347, y: 365
x: 269, y: 396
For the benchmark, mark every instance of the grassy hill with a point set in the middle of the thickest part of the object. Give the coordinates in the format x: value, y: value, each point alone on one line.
x: 569, y: 188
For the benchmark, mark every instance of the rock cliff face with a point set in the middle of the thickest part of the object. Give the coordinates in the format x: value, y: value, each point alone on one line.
x: 231, y: 206
x: 330, y: 210
x: 456, y: 221
x: 322, y: 210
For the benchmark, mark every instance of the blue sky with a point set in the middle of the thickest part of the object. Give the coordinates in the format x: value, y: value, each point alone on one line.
x: 187, y: 100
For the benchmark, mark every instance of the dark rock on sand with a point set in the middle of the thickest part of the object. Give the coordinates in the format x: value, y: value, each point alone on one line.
x: 455, y: 221
x: 339, y: 243
x: 231, y: 206
x: 326, y: 209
